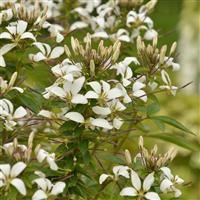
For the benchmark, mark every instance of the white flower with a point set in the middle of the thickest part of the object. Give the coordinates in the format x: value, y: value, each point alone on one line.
x: 137, y: 19
x: 103, y: 92
x: 16, y: 32
x: 8, y: 114
x: 70, y: 91
x: 78, y: 25
x: 138, y: 92
x: 169, y: 62
x: 150, y: 34
x: 9, y: 175
x: 66, y: 71
x: 91, y: 122
x: 3, y: 50
x: 46, y: 53
x: 46, y: 189
x: 5, y: 87
x: 124, y: 70
x: 119, y: 170
x: 139, y: 189
x: 169, y: 182
x: 42, y: 155
x: 122, y: 35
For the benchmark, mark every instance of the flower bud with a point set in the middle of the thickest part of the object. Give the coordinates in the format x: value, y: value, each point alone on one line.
x: 173, y: 48
x: 128, y: 157
x: 92, y: 68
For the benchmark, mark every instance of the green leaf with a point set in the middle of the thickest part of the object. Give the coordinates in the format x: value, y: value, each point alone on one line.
x: 172, y: 122
x: 178, y: 140
x: 31, y: 100
x: 153, y: 108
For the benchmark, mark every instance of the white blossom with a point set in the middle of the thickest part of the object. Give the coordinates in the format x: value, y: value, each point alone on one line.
x: 169, y: 182
x: 138, y: 92
x: 43, y: 155
x: 8, y: 114
x: 9, y: 175
x: 46, y: 53
x: 70, y: 91
x: 17, y: 32
x: 119, y: 170
x: 140, y: 189
x: 5, y: 86
x: 47, y: 189
x: 103, y: 91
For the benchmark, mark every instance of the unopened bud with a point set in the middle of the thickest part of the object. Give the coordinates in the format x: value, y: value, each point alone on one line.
x: 141, y: 142
x: 163, y: 53
x: 67, y: 51
x: 30, y: 139
x: 128, y: 157
x: 92, y: 68
x: 12, y: 80
x: 173, y: 48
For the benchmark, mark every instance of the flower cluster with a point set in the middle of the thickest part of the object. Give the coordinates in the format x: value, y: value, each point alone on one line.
x: 25, y: 158
x: 108, y: 17
x: 144, y: 180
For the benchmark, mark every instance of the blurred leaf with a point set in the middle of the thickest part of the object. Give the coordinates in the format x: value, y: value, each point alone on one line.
x: 31, y: 100
x: 153, y: 108
x: 172, y: 122
x: 180, y: 141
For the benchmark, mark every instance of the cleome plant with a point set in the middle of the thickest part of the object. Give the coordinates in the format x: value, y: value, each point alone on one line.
x: 78, y: 79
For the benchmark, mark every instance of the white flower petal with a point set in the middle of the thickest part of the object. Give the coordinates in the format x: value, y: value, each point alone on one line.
x: 91, y: 95
x: 19, y: 113
x: 41, y: 155
x: 95, y: 86
x: 148, y: 181
x: 57, y: 52
x: 165, y: 185
x: 177, y: 193
x: 6, y: 48
x: 101, y: 123
x: 101, y: 34
x: 21, y: 26
x: 39, y: 195
x: 121, y: 170
x: 58, y: 91
x: 128, y: 191
x: 28, y: 35
x: 152, y: 196
x: 17, y: 169
x: 167, y: 172
x: 78, y: 25
x: 79, y: 99
x: 52, y: 163
x: 75, y: 116
x: 58, y: 188
x: 114, y: 93
x: 101, y: 110
x: 140, y: 94
x: 77, y: 85
x: 19, y: 185
x: 5, y: 35
x: 41, y: 183
x: 150, y: 34
x: 5, y: 168
x: 103, y: 178
x: 135, y: 179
